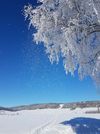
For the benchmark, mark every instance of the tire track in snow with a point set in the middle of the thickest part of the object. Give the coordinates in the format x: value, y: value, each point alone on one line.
x: 40, y: 129
x: 46, y: 126
x: 56, y: 129
x: 53, y: 127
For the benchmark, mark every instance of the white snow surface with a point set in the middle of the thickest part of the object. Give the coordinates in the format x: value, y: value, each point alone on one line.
x: 41, y: 121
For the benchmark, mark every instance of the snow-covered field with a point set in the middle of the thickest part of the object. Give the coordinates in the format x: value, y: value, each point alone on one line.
x: 45, y: 121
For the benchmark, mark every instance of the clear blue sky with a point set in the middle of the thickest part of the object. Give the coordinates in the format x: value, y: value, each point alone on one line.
x: 26, y: 75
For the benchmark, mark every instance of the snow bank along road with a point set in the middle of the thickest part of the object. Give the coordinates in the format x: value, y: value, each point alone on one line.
x: 41, y: 121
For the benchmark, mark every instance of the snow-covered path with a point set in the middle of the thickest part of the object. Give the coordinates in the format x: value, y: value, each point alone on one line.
x: 56, y: 129
x: 53, y: 126
x: 44, y: 121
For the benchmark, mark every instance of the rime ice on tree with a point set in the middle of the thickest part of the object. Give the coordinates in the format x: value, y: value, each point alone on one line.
x: 70, y: 28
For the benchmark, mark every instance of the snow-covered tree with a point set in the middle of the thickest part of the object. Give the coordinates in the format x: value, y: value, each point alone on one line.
x: 70, y: 29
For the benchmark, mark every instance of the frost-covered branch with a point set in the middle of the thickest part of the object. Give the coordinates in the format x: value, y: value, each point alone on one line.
x: 93, y: 28
x: 71, y: 29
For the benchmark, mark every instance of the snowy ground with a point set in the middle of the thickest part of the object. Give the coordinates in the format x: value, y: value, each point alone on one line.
x: 44, y: 121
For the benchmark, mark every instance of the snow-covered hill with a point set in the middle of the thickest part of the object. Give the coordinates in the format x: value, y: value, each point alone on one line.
x: 72, y: 105
x: 50, y: 121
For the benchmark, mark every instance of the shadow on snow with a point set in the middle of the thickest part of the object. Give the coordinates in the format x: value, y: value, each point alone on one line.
x: 84, y: 125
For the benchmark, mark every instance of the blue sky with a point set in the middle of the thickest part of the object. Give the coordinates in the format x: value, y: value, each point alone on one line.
x: 26, y: 75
